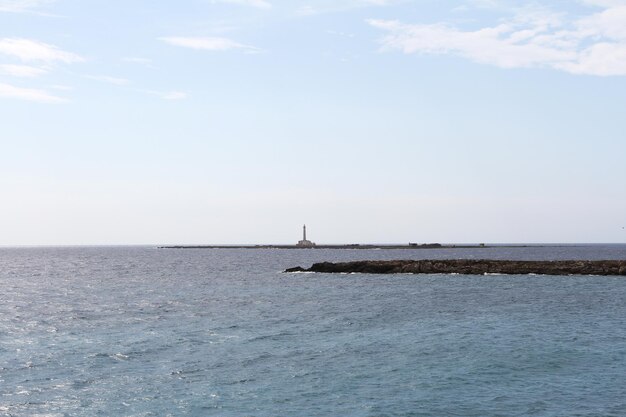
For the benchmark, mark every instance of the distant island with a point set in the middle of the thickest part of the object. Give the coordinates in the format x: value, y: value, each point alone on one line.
x: 345, y: 246
x: 348, y: 246
x: 304, y: 243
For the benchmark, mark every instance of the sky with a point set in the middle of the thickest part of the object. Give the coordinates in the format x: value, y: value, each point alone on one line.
x: 372, y: 121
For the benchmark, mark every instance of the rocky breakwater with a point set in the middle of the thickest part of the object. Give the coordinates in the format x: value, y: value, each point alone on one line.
x: 470, y: 267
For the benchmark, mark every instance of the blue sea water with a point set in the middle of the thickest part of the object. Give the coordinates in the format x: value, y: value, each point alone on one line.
x: 141, y: 331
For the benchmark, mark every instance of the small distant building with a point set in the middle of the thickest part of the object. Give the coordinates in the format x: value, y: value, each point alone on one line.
x: 304, y: 243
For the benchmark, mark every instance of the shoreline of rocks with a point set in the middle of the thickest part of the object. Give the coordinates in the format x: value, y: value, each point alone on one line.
x: 471, y: 267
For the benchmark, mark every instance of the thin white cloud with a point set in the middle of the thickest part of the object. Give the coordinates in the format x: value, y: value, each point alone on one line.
x: 146, y: 62
x: 108, y: 79
x: 29, y: 50
x: 174, y: 95
x: 594, y: 44
x: 605, y: 3
x: 61, y: 87
x: 24, y: 71
x: 337, y: 6
x: 136, y: 60
x: 342, y: 34
x: 167, y: 95
x: 481, y: 4
x: 21, y: 6
x: 259, y: 4
x: 207, y: 43
x: 28, y: 94
x: 307, y: 10
x: 378, y: 2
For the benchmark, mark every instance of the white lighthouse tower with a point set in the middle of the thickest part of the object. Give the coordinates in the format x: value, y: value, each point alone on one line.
x: 304, y: 243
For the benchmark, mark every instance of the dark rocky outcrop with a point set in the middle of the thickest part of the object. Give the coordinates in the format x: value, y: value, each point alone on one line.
x: 296, y: 269
x: 471, y: 266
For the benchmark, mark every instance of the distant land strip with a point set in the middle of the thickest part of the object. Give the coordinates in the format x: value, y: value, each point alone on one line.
x: 470, y: 267
x: 348, y: 246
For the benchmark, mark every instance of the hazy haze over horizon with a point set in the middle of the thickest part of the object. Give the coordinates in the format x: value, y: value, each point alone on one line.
x: 236, y: 121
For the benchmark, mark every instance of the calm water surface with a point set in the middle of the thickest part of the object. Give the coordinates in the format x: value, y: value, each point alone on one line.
x: 155, y: 332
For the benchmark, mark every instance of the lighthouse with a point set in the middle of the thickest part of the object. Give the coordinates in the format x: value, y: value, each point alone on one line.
x: 304, y: 243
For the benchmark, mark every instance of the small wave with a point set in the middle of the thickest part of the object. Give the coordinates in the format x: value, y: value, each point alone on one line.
x: 274, y: 336
x: 115, y: 356
x: 240, y: 381
x: 185, y: 373
x: 120, y: 356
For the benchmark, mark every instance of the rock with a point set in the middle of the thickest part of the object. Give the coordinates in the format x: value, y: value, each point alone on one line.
x: 295, y: 269
x: 471, y: 266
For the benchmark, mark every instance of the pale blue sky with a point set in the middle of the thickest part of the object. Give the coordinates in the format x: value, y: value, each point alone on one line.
x: 206, y: 121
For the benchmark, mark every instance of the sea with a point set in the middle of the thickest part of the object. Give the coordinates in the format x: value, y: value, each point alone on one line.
x: 143, y: 331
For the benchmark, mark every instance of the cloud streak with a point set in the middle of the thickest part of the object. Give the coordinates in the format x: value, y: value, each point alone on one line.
x: 168, y: 95
x: 24, y: 71
x: 337, y: 6
x: 28, y: 94
x: 21, y: 6
x: 207, y: 43
x: 28, y: 50
x: 593, y: 45
x: 108, y: 79
x: 259, y: 4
